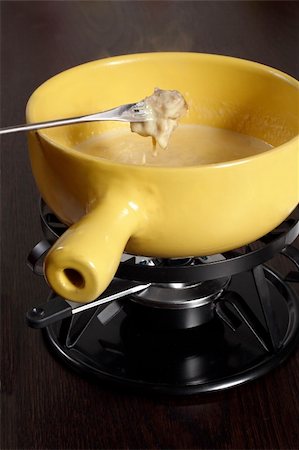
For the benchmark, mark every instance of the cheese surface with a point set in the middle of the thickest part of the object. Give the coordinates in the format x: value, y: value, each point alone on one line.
x: 190, y: 145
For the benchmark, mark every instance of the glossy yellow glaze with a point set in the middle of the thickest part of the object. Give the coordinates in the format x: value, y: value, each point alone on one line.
x: 161, y: 211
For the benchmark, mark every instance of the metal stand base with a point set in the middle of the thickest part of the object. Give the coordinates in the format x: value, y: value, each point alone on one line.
x: 158, y: 344
x: 215, y: 356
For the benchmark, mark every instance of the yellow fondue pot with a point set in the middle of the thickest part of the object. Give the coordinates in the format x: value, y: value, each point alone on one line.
x: 161, y: 211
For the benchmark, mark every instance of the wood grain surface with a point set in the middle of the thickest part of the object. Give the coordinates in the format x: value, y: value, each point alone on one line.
x: 45, y: 406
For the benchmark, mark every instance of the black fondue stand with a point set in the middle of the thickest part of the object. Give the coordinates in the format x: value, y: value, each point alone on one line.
x: 179, y: 326
x: 45, y: 404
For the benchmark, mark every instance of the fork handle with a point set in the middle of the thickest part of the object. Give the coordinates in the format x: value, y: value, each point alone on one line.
x: 47, y: 124
x: 120, y: 113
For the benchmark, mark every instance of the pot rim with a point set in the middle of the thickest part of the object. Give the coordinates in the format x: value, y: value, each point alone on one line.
x: 119, y: 59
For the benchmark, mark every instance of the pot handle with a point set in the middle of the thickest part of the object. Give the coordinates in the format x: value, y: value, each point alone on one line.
x: 82, y: 263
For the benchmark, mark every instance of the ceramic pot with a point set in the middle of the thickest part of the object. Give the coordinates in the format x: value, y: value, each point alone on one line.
x: 161, y: 211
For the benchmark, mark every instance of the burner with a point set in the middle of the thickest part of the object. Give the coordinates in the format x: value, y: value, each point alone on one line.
x: 179, y: 326
x: 176, y: 305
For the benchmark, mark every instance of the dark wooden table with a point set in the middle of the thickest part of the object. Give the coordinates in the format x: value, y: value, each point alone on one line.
x: 44, y: 406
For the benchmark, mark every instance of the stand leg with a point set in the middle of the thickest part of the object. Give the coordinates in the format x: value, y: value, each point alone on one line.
x: 262, y: 289
x: 72, y: 328
x: 292, y: 253
x: 247, y: 317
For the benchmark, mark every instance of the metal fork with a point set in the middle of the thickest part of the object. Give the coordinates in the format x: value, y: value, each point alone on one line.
x: 131, y: 112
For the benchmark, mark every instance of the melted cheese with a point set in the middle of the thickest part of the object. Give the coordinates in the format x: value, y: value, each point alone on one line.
x: 165, y: 109
x: 190, y: 145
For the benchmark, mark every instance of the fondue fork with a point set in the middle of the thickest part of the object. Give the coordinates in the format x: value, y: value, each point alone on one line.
x: 131, y: 112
